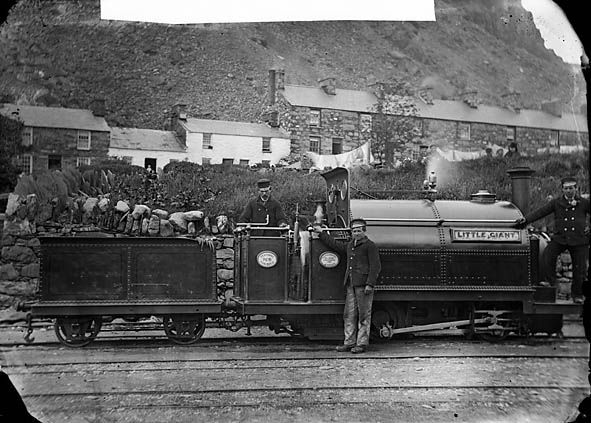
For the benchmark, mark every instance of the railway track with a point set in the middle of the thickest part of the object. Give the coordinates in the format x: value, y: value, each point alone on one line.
x: 143, y: 377
x: 243, y: 381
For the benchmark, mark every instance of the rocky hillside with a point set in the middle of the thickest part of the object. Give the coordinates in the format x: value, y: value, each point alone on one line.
x: 61, y: 53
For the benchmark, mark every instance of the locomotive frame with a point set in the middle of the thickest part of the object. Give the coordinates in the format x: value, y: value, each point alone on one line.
x: 445, y: 264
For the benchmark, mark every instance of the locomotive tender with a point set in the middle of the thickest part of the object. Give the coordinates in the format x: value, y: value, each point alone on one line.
x: 445, y: 264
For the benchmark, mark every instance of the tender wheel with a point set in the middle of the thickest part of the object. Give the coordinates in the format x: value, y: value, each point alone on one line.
x: 184, y: 329
x: 77, y: 332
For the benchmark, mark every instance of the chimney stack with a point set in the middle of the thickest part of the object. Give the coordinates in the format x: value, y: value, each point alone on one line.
x: 520, y: 181
x: 470, y: 98
x: 512, y: 101
x: 426, y: 95
x: 276, y: 82
x: 97, y: 107
x: 328, y: 85
x: 178, y: 114
x: 554, y: 107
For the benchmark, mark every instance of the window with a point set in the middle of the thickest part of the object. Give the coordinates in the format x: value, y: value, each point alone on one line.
x: 27, y: 136
x: 266, y: 145
x: 554, y: 138
x: 510, y: 133
x: 24, y: 163
x: 266, y: 163
x: 83, y: 140
x: 207, y: 142
x: 463, y: 131
x: 243, y: 162
x: 337, y: 145
x: 365, y: 123
x: 206, y: 160
x: 81, y: 161
x: 314, y: 117
x: 227, y: 162
x: 314, y: 145
x: 54, y: 161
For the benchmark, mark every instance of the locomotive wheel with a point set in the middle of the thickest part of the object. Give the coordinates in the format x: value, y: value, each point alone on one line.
x: 184, y: 330
x: 77, y: 332
x: 496, y: 335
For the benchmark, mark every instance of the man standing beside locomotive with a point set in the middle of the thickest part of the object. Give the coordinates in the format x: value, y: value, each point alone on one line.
x: 363, y: 268
x: 264, y: 209
x: 571, y: 233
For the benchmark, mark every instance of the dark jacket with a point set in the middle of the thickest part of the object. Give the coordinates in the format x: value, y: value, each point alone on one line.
x: 363, y: 260
x: 256, y: 212
x: 569, y: 221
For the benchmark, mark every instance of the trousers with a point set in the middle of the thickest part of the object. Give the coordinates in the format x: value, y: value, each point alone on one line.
x: 357, y: 315
x: 578, y: 253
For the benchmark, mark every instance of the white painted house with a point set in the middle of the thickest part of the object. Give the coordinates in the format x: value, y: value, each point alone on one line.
x: 226, y: 142
x: 143, y: 147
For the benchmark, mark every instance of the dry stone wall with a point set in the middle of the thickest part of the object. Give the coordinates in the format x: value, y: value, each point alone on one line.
x: 24, y: 223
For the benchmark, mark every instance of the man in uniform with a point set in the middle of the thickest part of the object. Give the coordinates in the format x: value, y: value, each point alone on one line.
x: 264, y: 210
x: 363, y: 268
x: 571, y: 232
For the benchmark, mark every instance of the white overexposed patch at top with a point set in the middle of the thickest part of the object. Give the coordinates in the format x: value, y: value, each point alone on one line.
x: 556, y: 30
x: 201, y: 11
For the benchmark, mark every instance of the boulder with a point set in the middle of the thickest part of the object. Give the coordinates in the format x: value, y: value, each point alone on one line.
x: 225, y: 274
x: 8, y: 272
x: 103, y: 204
x: 191, y: 228
x: 140, y: 210
x: 30, y: 270
x: 122, y: 206
x: 144, y: 229
x: 162, y: 214
x: 225, y: 253
x: 18, y: 253
x: 19, y: 289
x: 193, y: 215
x: 13, y: 204
x: 178, y: 221
x: 32, y: 206
x: 89, y: 205
x: 17, y: 227
x: 166, y: 229
x: 154, y: 225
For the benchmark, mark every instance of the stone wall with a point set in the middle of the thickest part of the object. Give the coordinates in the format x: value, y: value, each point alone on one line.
x: 22, y: 226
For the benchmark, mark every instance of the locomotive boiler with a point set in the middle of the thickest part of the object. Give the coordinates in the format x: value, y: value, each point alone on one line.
x: 445, y: 264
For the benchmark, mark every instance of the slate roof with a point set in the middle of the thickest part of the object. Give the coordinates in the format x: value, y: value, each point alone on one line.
x: 144, y: 139
x: 55, y: 117
x: 363, y: 101
x: 225, y: 127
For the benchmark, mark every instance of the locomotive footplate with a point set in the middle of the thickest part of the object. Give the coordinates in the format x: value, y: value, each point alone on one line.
x: 252, y: 307
x: 520, y: 294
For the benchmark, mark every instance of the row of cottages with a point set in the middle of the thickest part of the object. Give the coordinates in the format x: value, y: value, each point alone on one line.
x: 57, y: 137
x: 329, y: 120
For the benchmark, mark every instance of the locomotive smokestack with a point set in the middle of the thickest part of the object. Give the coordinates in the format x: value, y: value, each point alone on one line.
x: 520, y: 177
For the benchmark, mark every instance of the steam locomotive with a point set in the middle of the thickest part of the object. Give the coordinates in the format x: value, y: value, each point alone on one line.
x: 445, y: 264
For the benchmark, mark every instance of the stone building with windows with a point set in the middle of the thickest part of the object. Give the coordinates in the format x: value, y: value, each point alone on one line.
x: 329, y: 120
x: 57, y: 137
x: 225, y: 142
